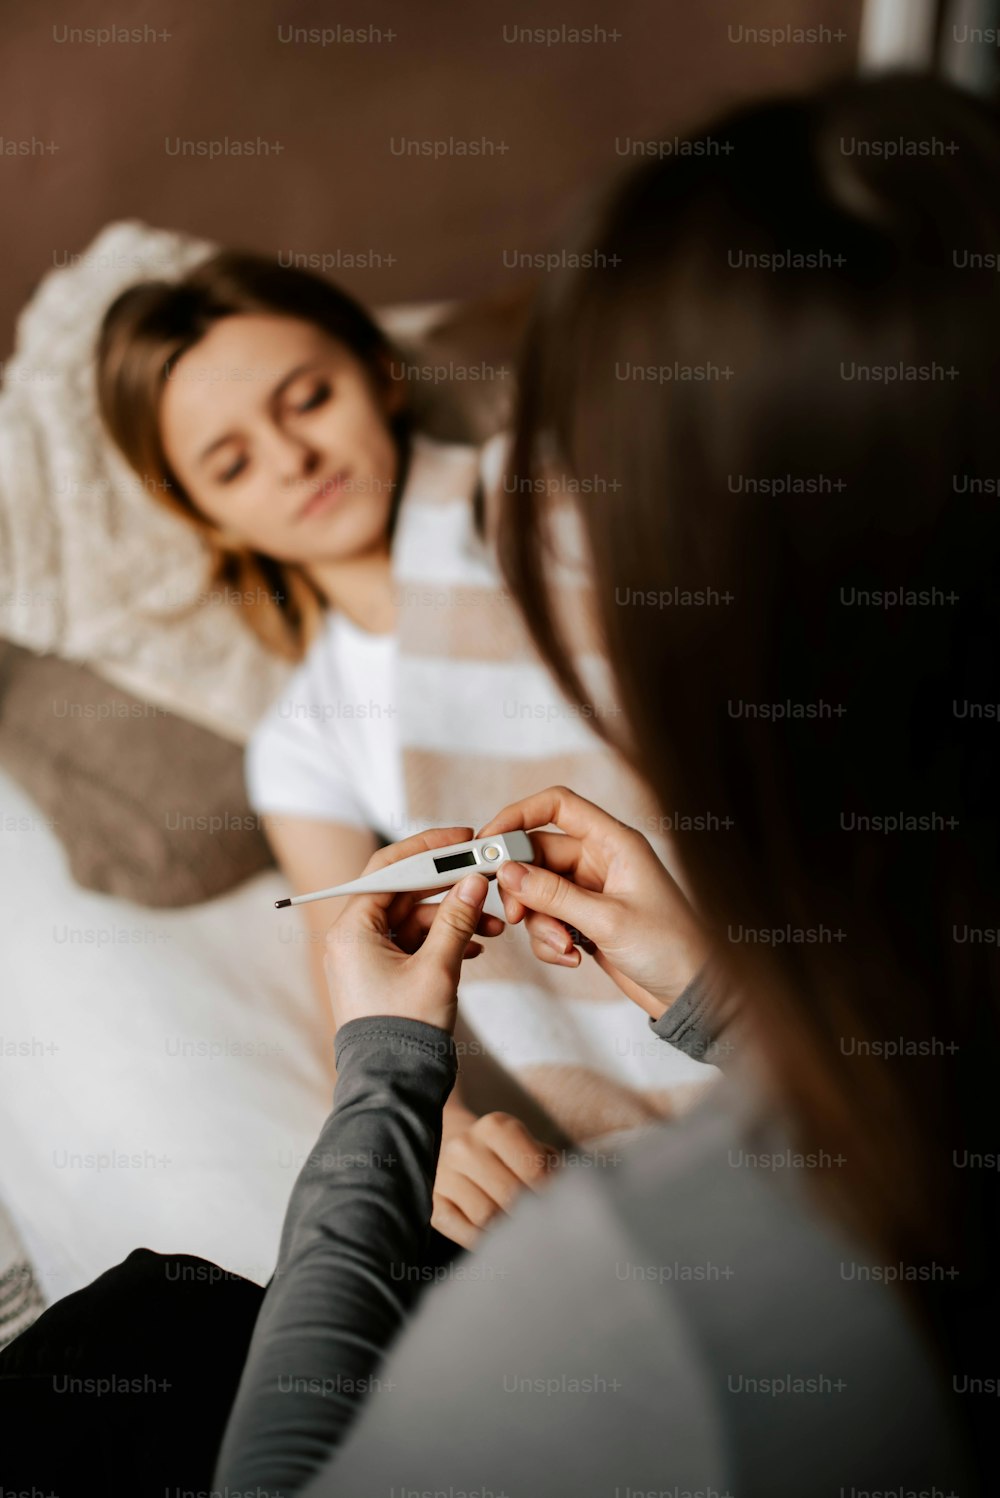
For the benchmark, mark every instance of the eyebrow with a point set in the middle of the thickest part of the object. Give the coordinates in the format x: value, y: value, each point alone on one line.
x: 276, y: 393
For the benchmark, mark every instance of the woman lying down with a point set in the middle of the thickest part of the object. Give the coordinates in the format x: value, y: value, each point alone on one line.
x: 271, y: 413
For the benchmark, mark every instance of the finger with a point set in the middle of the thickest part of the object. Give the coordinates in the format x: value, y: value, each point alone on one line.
x: 470, y: 1157
x: 452, y: 1223
x: 545, y: 931
x: 540, y: 889
x: 475, y: 1204
x: 512, y: 908
x: 564, y: 855
x: 364, y: 917
x: 544, y: 953
x: 529, y: 1159
x: 414, y: 927
x: 457, y: 917
x: 472, y: 950
x: 372, y: 914
x: 557, y: 805
x: 568, y: 856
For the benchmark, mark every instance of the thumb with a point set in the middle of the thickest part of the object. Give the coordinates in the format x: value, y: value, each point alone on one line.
x: 455, y: 924
x: 540, y: 889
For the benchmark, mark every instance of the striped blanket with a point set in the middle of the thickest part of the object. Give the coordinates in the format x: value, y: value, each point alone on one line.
x: 482, y: 724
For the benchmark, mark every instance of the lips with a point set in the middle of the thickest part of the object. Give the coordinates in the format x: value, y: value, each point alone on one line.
x: 324, y: 496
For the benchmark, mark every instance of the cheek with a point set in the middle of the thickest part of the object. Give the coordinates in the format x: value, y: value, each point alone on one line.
x: 246, y: 514
x: 383, y: 463
x: 208, y: 506
x: 359, y: 422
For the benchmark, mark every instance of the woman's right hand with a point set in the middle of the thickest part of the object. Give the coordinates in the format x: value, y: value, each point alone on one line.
x: 600, y: 880
x: 482, y: 1170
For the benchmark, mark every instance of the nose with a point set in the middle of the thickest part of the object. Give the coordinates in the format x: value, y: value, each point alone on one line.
x: 292, y: 455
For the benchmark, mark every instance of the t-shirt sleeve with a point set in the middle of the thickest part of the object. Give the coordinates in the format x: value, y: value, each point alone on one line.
x: 295, y: 763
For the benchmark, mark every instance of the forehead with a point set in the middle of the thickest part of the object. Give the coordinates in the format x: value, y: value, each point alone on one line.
x: 234, y: 369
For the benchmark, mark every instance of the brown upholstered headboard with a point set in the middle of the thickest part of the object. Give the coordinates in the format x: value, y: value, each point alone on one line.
x: 136, y: 123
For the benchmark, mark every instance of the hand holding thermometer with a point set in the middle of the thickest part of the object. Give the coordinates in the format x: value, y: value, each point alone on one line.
x: 435, y: 869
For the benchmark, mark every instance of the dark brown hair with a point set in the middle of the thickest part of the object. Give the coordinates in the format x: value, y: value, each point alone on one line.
x: 795, y: 446
x: 153, y: 324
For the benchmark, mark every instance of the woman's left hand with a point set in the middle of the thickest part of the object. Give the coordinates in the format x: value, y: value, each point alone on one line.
x: 388, y: 955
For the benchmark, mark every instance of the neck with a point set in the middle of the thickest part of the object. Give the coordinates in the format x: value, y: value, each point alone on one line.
x: 361, y: 587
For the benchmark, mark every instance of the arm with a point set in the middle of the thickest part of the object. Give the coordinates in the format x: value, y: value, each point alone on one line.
x: 312, y: 855
x: 319, y: 1413
x: 359, y: 1212
x: 353, y: 1239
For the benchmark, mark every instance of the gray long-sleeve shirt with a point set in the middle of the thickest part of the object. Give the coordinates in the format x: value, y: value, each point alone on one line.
x: 672, y: 1319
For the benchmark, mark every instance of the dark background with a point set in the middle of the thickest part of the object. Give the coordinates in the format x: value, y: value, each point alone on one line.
x: 335, y: 185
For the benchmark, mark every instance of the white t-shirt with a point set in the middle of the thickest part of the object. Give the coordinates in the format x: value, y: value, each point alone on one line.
x: 329, y: 747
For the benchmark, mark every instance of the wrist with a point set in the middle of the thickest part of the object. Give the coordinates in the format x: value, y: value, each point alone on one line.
x: 397, y: 1033
x: 687, y: 957
x: 355, y: 1010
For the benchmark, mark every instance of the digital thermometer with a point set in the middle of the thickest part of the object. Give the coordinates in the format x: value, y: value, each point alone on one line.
x: 435, y: 869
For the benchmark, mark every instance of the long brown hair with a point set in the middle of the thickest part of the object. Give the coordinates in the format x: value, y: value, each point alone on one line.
x: 147, y: 329
x: 783, y: 362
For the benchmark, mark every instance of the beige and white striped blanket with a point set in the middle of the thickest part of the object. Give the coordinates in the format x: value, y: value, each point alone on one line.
x: 482, y: 724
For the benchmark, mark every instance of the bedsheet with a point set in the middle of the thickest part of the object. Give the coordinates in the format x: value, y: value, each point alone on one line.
x: 162, y: 1073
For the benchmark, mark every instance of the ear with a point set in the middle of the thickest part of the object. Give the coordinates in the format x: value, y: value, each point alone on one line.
x: 397, y: 397
x: 395, y: 392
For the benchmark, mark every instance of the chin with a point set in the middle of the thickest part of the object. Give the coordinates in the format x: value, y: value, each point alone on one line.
x: 344, y: 536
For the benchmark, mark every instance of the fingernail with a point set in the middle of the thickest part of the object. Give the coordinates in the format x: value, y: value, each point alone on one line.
x: 512, y: 875
x: 472, y: 890
x: 558, y: 943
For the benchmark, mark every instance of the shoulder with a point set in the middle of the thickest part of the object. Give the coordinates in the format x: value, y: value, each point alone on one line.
x: 672, y: 1304
x: 440, y: 472
x: 293, y: 753
x: 450, y: 473
x: 308, y: 682
x: 798, y: 1333
x: 438, y: 533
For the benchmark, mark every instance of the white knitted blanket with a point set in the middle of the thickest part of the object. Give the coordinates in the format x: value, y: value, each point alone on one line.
x: 91, y: 567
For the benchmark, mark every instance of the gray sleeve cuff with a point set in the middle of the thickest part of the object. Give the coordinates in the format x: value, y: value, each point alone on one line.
x: 693, y: 1024
x: 410, y: 1037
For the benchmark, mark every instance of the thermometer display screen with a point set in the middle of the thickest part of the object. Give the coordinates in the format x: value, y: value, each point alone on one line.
x: 454, y: 861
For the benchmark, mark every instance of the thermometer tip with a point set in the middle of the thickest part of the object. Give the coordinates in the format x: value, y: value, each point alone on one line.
x: 280, y: 904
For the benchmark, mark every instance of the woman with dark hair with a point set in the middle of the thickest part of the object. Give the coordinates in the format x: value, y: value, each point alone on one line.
x: 794, y: 1290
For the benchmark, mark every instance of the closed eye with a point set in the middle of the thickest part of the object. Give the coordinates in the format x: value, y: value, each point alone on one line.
x: 233, y: 471
x: 318, y: 396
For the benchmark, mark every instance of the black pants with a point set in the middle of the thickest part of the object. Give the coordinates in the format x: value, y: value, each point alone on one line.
x: 123, y: 1389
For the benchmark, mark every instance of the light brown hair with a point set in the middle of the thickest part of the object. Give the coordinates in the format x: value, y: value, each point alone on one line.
x: 147, y: 330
